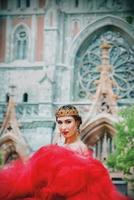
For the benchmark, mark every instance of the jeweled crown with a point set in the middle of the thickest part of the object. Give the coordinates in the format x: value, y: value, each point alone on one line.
x: 66, y: 112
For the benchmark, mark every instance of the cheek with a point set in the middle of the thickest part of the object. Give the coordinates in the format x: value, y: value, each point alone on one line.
x: 72, y: 127
x: 59, y: 127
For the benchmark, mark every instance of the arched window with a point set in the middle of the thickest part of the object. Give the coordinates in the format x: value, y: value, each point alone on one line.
x: 25, y: 97
x: 104, y: 147
x: 7, y: 98
x: 3, y: 4
x: 76, y: 3
x: 23, y: 4
x: 20, y: 43
x: 27, y: 3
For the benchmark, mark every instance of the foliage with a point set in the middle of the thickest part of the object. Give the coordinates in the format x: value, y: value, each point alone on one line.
x: 129, y: 19
x: 1, y: 159
x: 123, y: 157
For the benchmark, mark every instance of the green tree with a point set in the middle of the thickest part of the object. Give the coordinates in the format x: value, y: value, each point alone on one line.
x: 123, y: 157
x: 1, y: 159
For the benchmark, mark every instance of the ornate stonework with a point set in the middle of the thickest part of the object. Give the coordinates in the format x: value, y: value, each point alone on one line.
x: 12, y: 143
x: 98, y: 129
x: 63, y: 40
x: 104, y: 98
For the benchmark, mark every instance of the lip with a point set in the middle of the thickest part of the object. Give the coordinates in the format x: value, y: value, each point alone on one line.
x: 65, y: 132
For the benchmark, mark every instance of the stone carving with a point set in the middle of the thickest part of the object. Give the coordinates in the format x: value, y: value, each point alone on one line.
x: 108, y: 4
x: 75, y: 27
x: 103, y: 4
x: 104, y: 93
x: 97, y: 129
x: 12, y: 144
x: 117, y: 4
x: 27, y: 110
x: 121, y: 58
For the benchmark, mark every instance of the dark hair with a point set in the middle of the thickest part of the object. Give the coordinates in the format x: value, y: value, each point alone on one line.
x: 77, y: 118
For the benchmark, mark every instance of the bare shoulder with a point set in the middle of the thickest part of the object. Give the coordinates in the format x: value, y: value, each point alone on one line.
x: 82, y: 144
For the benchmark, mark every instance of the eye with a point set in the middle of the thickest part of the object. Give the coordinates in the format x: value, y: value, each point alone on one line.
x: 59, y: 122
x: 68, y: 121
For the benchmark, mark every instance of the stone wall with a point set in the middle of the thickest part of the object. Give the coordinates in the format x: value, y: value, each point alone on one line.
x: 59, y: 33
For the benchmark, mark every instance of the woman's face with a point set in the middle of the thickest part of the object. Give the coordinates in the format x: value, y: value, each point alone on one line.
x: 67, y: 126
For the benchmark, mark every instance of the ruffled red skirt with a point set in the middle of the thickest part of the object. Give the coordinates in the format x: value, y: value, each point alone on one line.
x: 55, y: 173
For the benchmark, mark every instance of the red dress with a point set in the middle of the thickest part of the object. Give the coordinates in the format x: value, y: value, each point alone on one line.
x: 57, y: 173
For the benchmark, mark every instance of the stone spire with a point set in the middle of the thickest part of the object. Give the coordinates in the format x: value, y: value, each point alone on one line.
x: 10, y: 120
x: 103, y: 113
x: 104, y: 100
x: 12, y: 144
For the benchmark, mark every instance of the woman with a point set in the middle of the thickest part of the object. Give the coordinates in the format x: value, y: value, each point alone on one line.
x: 53, y: 172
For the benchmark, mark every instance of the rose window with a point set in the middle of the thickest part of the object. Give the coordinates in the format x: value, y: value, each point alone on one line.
x: 121, y: 57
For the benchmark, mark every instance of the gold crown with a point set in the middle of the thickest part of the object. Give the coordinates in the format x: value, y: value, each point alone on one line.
x: 66, y: 112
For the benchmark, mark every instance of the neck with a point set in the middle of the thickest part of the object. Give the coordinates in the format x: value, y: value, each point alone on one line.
x: 71, y: 139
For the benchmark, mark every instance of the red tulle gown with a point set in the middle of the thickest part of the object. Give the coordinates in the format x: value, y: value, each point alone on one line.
x: 57, y: 173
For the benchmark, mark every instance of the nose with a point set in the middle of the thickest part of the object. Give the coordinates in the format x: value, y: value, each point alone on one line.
x: 63, y: 127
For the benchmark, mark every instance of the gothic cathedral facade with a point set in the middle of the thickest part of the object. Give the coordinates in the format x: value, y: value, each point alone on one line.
x: 49, y: 53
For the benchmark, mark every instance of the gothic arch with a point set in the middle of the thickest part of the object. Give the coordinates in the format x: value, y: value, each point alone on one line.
x: 90, y: 33
x: 21, y: 24
x: 93, y: 27
x: 8, y: 149
x: 24, y: 27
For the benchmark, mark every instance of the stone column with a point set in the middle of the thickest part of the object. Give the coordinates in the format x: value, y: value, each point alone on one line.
x: 33, y: 36
x: 104, y: 147
x: 8, y: 39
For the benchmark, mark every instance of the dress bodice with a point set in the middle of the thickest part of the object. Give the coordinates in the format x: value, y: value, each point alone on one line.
x: 79, y: 147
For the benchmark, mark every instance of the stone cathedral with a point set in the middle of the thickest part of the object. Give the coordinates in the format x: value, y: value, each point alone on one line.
x: 56, y: 52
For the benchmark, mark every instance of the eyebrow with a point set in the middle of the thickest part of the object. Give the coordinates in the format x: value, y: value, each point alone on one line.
x: 66, y: 120
x: 59, y: 121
